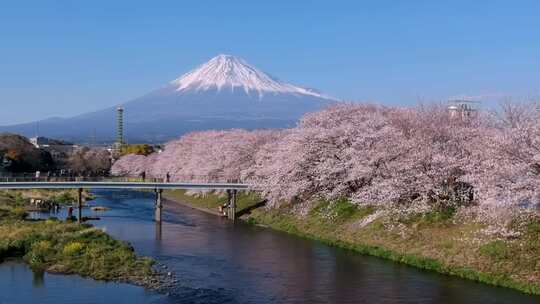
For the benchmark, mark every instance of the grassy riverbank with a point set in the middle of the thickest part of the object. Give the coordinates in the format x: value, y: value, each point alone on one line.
x: 436, y: 241
x: 210, y: 201
x: 21, y: 198
x: 68, y: 248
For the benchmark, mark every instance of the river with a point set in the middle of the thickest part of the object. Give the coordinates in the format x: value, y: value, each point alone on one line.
x: 217, y: 261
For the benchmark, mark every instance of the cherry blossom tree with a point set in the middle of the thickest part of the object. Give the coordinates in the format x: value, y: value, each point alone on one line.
x: 201, y: 156
x: 368, y: 153
x: 418, y: 158
x: 508, y: 172
x: 93, y: 161
x: 131, y: 165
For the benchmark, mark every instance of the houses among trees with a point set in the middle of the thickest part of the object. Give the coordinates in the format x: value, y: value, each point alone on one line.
x: 19, y: 154
x: 59, y: 150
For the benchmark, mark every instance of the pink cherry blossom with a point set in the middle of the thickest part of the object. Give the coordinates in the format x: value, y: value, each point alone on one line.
x: 418, y: 157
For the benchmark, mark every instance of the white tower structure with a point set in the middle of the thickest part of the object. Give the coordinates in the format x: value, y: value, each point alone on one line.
x: 462, y: 108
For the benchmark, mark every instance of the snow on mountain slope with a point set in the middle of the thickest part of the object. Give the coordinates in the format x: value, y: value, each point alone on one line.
x: 229, y: 72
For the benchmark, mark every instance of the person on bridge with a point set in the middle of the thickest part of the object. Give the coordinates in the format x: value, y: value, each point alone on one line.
x: 143, y: 175
x: 167, y: 177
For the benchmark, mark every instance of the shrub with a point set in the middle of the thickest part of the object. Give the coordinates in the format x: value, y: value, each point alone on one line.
x: 339, y: 210
x: 439, y: 215
x: 65, y: 198
x: 73, y: 248
x: 38, y: 253
x: 497, y: 250
x: 344, y: 209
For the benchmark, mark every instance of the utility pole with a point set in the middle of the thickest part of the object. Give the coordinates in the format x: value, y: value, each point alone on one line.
x: 79, y: 203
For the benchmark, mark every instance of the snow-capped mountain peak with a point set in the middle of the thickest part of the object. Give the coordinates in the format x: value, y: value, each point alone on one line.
x: 224, y: 93
x: 232, y: 73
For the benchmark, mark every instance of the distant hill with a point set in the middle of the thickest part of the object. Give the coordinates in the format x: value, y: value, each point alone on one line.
x: 17, y: 154
x: 223, y: 93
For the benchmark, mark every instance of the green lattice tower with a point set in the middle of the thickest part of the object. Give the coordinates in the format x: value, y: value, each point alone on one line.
x: 119, y: 131
x: 120, y: 125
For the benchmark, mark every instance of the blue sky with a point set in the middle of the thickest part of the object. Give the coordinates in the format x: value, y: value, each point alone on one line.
x: 60, y: 58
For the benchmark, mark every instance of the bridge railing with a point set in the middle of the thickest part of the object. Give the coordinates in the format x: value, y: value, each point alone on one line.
x: 217, y: 178
x: 173, y: 179
x: 77, y: 179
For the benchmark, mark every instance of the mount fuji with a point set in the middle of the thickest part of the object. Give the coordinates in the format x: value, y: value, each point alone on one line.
x: 226, y: 92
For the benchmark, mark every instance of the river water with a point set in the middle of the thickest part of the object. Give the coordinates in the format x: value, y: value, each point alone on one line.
x: 217, y: 261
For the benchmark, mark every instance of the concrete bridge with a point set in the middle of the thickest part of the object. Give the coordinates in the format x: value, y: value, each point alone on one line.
x: 119, y: 183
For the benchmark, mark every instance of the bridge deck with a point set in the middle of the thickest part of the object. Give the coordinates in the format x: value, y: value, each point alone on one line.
x: 122, y: 185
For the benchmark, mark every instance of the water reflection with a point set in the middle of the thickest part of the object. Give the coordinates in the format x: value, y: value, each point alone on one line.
x: 158, y: 227
x: 20, y: 285
x: 38, y: 278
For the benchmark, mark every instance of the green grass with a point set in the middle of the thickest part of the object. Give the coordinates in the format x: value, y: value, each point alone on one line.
x: 339, y: 211
x: 440, y: 217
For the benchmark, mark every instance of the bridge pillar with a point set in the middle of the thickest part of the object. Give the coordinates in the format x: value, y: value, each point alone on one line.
x: 158, y: 231
x: 79, y: 205
x: 231, y: 211
x: 158, y: 205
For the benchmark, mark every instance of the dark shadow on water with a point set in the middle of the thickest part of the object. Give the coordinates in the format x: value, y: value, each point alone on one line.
x: 202, y: 296
x: 248, y: 210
